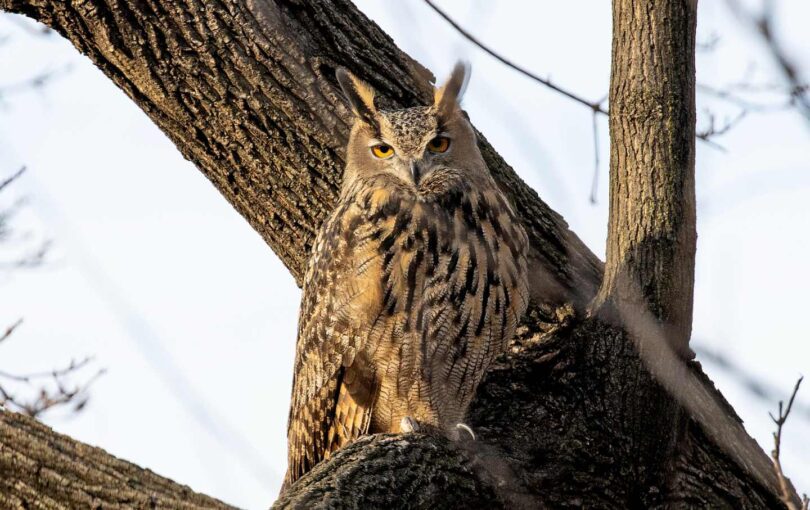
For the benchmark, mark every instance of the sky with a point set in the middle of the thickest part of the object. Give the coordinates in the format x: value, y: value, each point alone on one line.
x: 193, y: 317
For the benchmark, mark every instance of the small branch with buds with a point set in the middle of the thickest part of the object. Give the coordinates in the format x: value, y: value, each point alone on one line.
x: 788, y: 495
x: 58, y: 392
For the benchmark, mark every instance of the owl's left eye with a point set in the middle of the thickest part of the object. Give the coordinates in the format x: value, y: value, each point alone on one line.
x: 439, y: 144
x: 382, y: 151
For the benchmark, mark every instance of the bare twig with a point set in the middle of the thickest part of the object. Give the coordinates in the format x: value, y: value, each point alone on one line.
x: 12, y: 178
x: 748, y: 105
x: 56, y: 373
x: 37, y: 81
x: 31, y: 27
x: 705, y: 137
x: 10, y: 329
x: 48, y: 399
x: 52, y: 392
x: 762, y: 24
x: 758, y: 388
x: 710, y: 44
x: 33, y: 258
x: 595, y: 106
x: 788, y: 494
x: 713, y: 130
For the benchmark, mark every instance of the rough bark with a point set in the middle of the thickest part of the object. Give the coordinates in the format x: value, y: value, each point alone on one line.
x: 42, y: 469
x: 651, y: 229
x: 570, y: 417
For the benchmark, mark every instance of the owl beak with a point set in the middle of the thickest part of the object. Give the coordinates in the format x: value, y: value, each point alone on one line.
x: 416, y: 172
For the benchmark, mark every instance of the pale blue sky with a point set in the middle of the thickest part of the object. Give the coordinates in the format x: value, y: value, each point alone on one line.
x: 194, y: 316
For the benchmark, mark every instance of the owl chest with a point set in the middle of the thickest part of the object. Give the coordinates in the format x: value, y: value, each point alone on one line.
x: 439, y: 272
x: 443, y: 271
x: 415, y: 266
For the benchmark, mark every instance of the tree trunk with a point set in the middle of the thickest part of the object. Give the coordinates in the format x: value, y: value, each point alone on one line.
x: 651, y: 229
x: 569, y: 418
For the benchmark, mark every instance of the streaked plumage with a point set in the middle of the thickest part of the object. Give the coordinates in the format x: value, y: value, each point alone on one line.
x: 416, y: 282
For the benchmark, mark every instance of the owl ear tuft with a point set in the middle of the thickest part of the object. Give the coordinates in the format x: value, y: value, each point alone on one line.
x: 359, y: 94
x: 447, y: 97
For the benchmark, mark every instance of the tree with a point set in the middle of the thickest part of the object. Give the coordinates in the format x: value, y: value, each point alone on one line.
x: 572, y: 416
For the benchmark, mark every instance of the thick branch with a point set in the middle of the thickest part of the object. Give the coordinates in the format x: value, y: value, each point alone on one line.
x: 42, y: 469
x: 651, y: 230
x: 558, y: 425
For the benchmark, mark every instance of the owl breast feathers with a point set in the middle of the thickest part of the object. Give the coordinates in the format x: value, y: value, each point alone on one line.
x: 416, y: 283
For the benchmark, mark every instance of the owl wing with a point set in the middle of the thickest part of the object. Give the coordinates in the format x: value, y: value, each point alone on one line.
x: 480, y: 292
x: 332, y: 391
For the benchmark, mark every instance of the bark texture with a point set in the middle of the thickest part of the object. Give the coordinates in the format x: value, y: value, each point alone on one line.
x: 45, y: 470
x: 569, y: 418
x: 651, y: 230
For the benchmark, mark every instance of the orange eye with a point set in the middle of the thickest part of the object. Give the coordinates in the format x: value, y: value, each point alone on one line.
x: 382, y: 151
x: 439, y: 144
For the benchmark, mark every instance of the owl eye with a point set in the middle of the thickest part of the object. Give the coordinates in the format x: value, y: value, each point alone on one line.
x: 439, y: 144
x: 382, y: 151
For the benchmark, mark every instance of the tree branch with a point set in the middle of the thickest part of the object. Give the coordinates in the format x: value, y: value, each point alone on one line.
x: 42, y: 469
x: 788, y: 494
x: 762, y: 24
x: 651, y: 228
x: 557, y: 426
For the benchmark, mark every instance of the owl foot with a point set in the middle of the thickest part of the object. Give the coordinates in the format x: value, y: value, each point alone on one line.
x: 408, y: 424
x: 467, y: 428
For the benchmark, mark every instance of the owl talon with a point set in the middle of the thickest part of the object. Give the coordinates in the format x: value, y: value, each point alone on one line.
x: 467, y: 428
x: 408, y: 424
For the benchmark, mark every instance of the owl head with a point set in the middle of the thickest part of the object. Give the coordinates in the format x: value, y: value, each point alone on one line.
x: 417, y: 146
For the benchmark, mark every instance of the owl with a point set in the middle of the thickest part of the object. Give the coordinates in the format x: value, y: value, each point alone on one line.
x: 416, y: 282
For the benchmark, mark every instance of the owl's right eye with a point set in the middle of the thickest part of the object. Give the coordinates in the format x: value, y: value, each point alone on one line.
x: 382, y: 151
